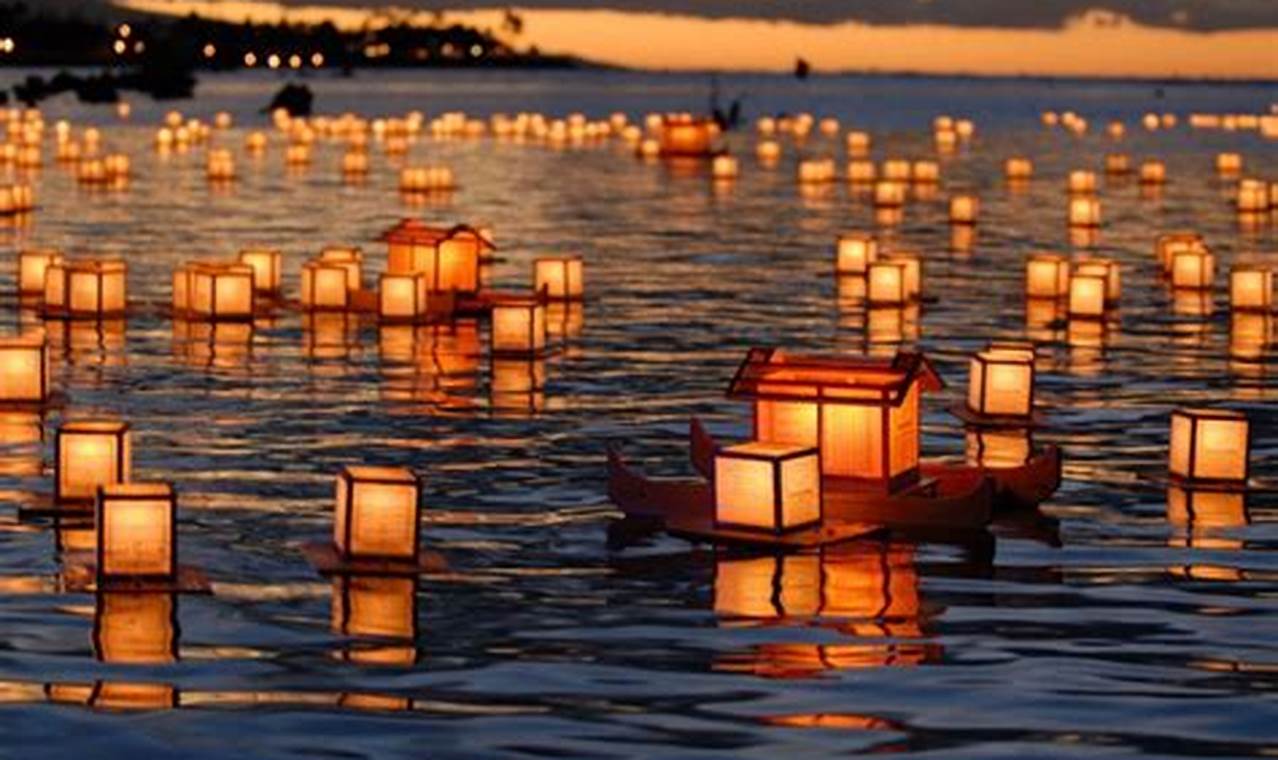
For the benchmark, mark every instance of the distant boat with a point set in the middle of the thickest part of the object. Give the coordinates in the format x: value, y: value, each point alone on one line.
x: 802, y: 68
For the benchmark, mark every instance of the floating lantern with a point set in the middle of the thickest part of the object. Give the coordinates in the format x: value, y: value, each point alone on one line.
x: 858, y: 144
x: 829, y: 126
x: 116, y: 166
x: 297, y: 154
x: 724, y: 167
x: 925, y: 172
x: 767, y: 151
x: 518, y: 326
x: 1252, y: 197
x: 1084, y: 211
x: 1018, y: 169
x: 1153, y: 173
x: 1229, y: 164
x: 216, y: 292
x: 1168, y: 245
x: 1049, y: 118
x: 255, y: 142
x: 896, y: 169
x: 767, y: 487
x: 1081, y: 182
x: 1108, y: 269
x: 85, y: 288
x: 1251, y: 288
x: 766, y: 125
x: 560, y: 277
x: 90, y: 453
x: 889, y: 194
x: 1193, y: 268
x: 861, y: 172
x: 1047, y: 276
x: 1001, y: 383
x: 964, y: 209
x: 24, y: 369
x: 378, y: 514
x: 349, y: 258
x: 1209, y: 446
x: 816, y: 171
x: 1116, y: 129
x: 32, y: 264
x: 862, y: 413
x: 426, y: 179
x: 686, y: 136
x: 402, y: 297
x: 137, y: 530
x: 855, y: 252
x: 267, y: 266
x: 1087, y: 296
x: 354, y: 163
x: 887, y: 284
x: 220, y: 165
x: 965, y: 129
x: 450, y: 257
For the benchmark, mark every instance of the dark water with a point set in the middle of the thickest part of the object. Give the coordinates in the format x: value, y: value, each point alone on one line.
x: 1098, y: 628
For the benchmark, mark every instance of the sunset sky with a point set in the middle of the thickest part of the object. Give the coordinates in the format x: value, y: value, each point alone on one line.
x: 1191, y: 38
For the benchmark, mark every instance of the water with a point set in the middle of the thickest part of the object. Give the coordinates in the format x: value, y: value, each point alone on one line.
x: 1098, y: 628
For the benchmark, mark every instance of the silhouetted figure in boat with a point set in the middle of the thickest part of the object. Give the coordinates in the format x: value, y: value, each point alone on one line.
x: 802, y: 68
x: 297, y: 99
x: 732, y: 118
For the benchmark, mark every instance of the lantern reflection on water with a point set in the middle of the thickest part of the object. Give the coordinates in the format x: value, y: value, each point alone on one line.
x: 85, y: 288
x: 724, y: 167
x: 380, y: 608
x: 24, y: 368
x: 559, y: 277
x: 768, y: 487
x: 136, y: 628
x: 90, y: 453
x: 137, y: 531
x: 998, y: 448
x: 378, y: 514
x: 862, y: 413
x: 1210, y: 446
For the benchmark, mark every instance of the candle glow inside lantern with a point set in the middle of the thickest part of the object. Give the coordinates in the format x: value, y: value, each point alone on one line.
x: 964, y: 209
x: 1153, y: 173
x: 861, y: 171
x: 90, y: 453
x: 1169, y: 244
x: 402, y: 297
x: 889, y: 194
x: 1087, y: 296
x: 1001, y: 383
x: 681, y: 135
x: 450, y: 257
x: 349, y: 258
x: 1084, y: 211
x: 518, y: 326
x: 1018, y: 169
x: 378, y: 514
x: 325, y: 286
x: 767, y: 487
x: 862, y: 413
x: 559, y: 277
x: 85, y: 288
x: 267, y: 266
x: 887, y: 283
x: 1081, y: 182
x: 1107, y: 268
x: 137, y: 529
x: 1229, y: 164
x: 24, y: 369
x: 855, y: 252
x: 214, y: 291
x: 1047, y: 276
x: 1118, y: 164
x: 1209, y: 446
x: 724, y: 167
x: 1251, y: 288
x: 32, y: 264
x: 1193, y: 268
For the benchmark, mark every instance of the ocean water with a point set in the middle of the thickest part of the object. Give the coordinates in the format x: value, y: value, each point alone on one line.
x: 1106, y: 624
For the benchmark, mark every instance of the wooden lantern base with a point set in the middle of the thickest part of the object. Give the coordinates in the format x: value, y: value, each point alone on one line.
x: 80, y: 575
x: 326, y: 560
x: 1034, y: 421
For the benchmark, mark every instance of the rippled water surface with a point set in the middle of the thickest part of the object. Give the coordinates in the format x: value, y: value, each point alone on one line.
x: 1103, y: 626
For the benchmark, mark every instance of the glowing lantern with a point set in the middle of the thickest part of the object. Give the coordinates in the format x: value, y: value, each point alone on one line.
x: 1087, y: 296
x: 1168, y: 245
x: 768, y: 487
x: 724, y: 167
x: 1047, y: 276
x: 402, y: 297
x: 858, y: 144
x: 1018, y: 169
x: 1209, y: 446
x: 1116, y: 130
x: 255, y: 142
x: 560, y: 278
x: 887, y: 283
x: 1084, y: 211
x: 85, y: 288
x: 1001, y: 383
x: 814, y: 170
x: 854, y: 253
x: 354, y: 162
x: 32, y: 264
x: 24, y: 369
x: 1117, y: 164
x: 426, y: 179
x: 964, y: 209
x: 1229, y: 164
x: 1106, y: 268
x: 896, y: 169
x: 889, y: 194
x: 1251, y: 288
x: 861, y: 172
x: 297, y: 154
x: 324, y: 286
x: 137, y: 529
x: 1153, y: 173
x: 266, y: 264
x: 862, y: 413
x: 1252, y: 197
x: 90, y: 453
x: 217, y: 291
x: 350, y: 259
x: 378, y: 511
x: 220, y: 165
x: 1081, y: 182
x: 686, y: 136
x: 965, y: 129
x: 519, y: 326
x: 1193, y: 268
x: 925, y: 172
x: 450, y: 257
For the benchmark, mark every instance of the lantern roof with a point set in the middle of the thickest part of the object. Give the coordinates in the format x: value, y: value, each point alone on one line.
x: 417, y: 232
x: 775, y: 375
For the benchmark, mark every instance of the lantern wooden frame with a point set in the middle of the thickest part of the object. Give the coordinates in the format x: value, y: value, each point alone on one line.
x: 33, y: 263
x: 326, y: 286
x: 534, y: 307
x: 107, y: 283
x: 776, y: 457
x: 559, y: 277
x: 1047, y: 275
x: 1084, y: 212
x: 203, y: 297
x: 450, y: 257
x: 1193, y: 269
x: 1187, y: 438
x: 1087, y: 296
x: 1259, y: 296
x: 347, y: 508
x: 1107, y: 268
x: 351, y: 258
x: 982, y: 376
x: 116, y: 430
x: 854, y: 252
x: 267, y: 264
x: 36, y: 347
x: 391, y: 311
x: 159, y: 493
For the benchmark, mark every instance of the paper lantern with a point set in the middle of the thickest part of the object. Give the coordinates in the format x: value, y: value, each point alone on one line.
x: 1251, y: 288
x: 85, y: 288
x: 681, y: 135
x: 135, y: 628
x: 24, y: 369
x: 1087, y: 296
x: 354, y: 163
x: 889, y: 194
x: 767, y: 487
x: 767, y: 151
x: 1084, y: 211
x: 1116, y: 130
x: 1118, y: 164
x: 325, y: 286
x: 1108, y: 269
x: 861, y: 172
x: 90, y: 453
x: 858, y: 144
x: 1047, y: 276
x: 297, y: 154
x: 964, y: 209
x: 518, y: 326
x: 349, y: 258
x: 913, y: 270
x: 214, y: 291
x: 450, y: 257
x: 1001, y: 383
x: 887, y: 284
x: 378, y: 514
x: 1193, y: 268
x: 896, y: 169
x: 424, y: 179
x: 946, y: 140
x: 724, y: 167
x: 998, y: 449
x: 925, y: 172
x: 854, y: 253
x: 1153, y: 173
x: 137, y: 530
x: 560, y: 277
x: 816, y: 171
x: 267, y: 267
x: 1252, y: 197
x: 1210, y: 446
x: 220, y: 165
x: 1167, y: 245
x: 1081, y: 182
x: 402, y: 297
x: 32, y: 264
x: 1229, y: 164
x: 1018, y: 169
